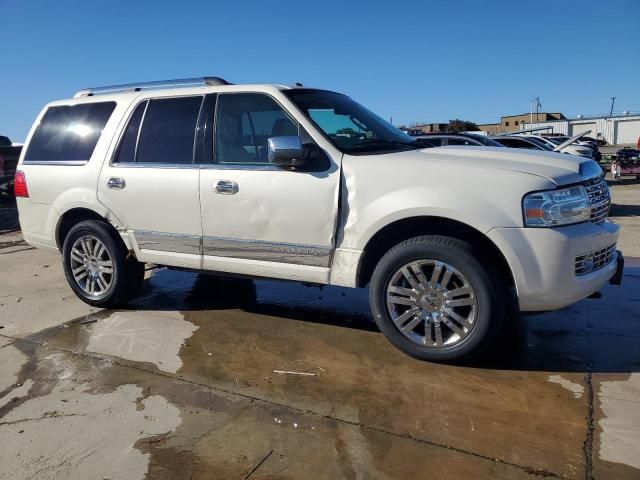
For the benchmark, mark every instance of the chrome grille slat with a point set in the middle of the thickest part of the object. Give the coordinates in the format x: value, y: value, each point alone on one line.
x: 598, y: 258
x: 599, y: 199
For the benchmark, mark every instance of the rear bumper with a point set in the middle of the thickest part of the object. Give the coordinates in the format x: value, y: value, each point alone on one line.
x: 542, y: 262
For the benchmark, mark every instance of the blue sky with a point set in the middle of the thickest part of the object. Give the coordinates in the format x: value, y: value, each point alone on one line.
x: 413, y: 61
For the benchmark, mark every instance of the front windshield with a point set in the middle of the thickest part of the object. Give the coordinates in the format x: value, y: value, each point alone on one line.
x: 542, y: 144
x: 489, y: 142
x: 348, y: 125
x: 557, y: 140
x: 543, y: 141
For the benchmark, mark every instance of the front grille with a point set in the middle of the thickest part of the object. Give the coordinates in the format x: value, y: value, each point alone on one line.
x: 592, y: 261
x: 599, y: 198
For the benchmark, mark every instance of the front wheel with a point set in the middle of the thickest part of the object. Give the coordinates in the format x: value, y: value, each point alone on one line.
x: 434, y: 300
x: 97, y: 265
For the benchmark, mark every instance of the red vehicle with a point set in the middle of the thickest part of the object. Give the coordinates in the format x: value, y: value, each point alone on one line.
x: 629, y: 160
x: 9, y: 155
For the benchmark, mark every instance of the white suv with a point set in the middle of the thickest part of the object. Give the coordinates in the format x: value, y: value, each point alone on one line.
x: 304, y: 184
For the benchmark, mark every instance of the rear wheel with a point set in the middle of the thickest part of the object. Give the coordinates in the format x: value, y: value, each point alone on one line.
x: 434, y: 300
x: 97, y: 266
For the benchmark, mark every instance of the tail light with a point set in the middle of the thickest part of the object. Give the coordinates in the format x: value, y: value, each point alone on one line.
x: 20, y: 185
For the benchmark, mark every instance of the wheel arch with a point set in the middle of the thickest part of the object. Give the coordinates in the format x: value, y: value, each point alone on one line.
x: 395, y: 232
x: 71, y: 217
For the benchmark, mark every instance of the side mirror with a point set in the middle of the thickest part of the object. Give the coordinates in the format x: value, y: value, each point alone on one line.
x: 286, y: 151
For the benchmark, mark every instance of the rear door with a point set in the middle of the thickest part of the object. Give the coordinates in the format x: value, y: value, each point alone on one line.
x: 151, y: 183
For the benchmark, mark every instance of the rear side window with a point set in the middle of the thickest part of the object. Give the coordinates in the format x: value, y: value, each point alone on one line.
x: 517, y: 143
x: 69, y: 133
x: 168, y: 131
x: 460, y: 141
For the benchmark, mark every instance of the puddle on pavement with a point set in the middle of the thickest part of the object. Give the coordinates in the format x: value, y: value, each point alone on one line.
x: 91, y: 418
x: 523, y: 402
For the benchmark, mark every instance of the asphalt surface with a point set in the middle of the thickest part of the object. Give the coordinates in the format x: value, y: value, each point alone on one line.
x: 204, y: 377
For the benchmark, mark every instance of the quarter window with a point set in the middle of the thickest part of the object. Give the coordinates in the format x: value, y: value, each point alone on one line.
x: 127, y: 149
x: 244, y: 123
x: 69, y: 132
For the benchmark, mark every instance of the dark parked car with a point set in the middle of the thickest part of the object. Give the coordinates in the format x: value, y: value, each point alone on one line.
x: 598, y: 141
x: 9, y: 155
x: 522, y: 142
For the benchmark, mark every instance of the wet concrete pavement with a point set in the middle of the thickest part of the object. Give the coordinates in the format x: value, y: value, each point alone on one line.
x: 182, y: 384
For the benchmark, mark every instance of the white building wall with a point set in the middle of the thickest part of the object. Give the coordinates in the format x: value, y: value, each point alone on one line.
x: 628, y: 131
x: 615, y: 130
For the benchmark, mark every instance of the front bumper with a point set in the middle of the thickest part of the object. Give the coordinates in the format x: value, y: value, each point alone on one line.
x: 617, y: 277
x: 542, y: 261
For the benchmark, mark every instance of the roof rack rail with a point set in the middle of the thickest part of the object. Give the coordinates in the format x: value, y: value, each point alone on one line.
x: 137, y: 87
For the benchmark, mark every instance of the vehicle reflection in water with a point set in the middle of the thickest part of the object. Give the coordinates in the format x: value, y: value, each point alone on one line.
x: 177, y: 290
x: 575, y: 339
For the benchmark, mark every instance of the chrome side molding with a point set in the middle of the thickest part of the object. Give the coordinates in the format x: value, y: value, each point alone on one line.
x: 293, y: 253
x: 168, y: 242
x: 299, y: 254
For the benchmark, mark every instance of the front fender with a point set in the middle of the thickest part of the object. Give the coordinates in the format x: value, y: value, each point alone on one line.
x: 419, y: 202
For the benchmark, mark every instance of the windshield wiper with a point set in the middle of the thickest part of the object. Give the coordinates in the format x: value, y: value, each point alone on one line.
x: 382, y: 142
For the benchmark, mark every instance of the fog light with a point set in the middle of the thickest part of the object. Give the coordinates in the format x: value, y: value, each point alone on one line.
x: 588, y: 263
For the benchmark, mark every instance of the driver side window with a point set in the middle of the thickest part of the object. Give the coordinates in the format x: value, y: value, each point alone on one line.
x: 244, y: 123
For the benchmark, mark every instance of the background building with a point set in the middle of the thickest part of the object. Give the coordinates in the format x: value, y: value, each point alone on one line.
x: 509, y: 123
x: 420, y: 128
x: 615, y: 130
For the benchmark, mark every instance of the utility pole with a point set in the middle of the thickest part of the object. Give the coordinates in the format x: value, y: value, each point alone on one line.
x: 531, y: 112
x: 613, y: 101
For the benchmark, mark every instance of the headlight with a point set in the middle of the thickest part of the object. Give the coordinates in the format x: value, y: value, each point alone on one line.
x: 556, y: 207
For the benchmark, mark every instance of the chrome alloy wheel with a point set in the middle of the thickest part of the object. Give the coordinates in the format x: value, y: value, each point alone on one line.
x: 432, y: 303
x: 91, y: 265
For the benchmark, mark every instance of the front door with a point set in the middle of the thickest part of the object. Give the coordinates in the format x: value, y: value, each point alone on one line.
x: 257, y: 218
x: 151, y: 185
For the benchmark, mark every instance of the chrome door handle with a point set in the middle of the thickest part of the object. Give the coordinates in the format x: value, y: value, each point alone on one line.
x: 116, y: 182
x: 225, y: 187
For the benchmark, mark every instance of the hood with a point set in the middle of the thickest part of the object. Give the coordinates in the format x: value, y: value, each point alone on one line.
x: 581, y: 150
x: 560, y: 168
x: 571, y: 140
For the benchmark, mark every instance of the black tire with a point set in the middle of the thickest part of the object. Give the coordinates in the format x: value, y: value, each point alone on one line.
x: 135, y: 276
x: 127, y: 275
x: 490, y: 292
